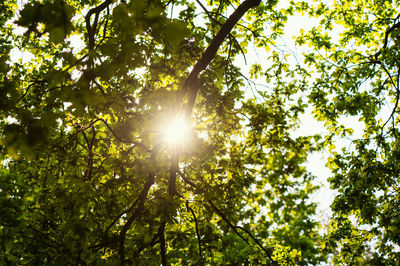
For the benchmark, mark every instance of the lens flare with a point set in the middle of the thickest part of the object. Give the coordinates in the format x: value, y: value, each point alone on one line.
x: 176, y: 131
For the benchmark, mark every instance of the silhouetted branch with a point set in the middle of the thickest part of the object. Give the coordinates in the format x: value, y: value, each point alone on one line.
x: 161, y: 235
x: 196, y: 226
x: 113, y: 133
x: 222, y: 215
x: 386, y: 39
x: 26, y: 91
x: 220, y: 24
x: 255, y: 240
x: 138, y: 211
x: 117, y: 218
x: 88, y: 173
x: 233, y: 227
x: 172, y: 173
x: 396, y: 86
x: 189, y: 85
x: 186, y: 180
x: 91, y: 28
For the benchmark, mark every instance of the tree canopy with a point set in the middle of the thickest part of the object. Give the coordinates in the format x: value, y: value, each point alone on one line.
x: 89, y: 177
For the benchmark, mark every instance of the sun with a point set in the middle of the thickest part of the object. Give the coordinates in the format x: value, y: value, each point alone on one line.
x: 176, y: 131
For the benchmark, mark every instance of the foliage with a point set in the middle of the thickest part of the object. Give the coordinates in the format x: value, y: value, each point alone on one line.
x: 360, y: 73
x: 87, y: 177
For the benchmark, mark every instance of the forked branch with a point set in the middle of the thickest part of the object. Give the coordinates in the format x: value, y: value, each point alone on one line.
x: 92, y: 28
x: 190, y: 85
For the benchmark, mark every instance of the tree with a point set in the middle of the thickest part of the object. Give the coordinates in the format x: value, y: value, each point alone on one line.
x: 88, y: 178
x: 360, y: 72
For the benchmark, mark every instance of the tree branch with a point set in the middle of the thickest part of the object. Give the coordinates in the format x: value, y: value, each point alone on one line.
x: 26, y: 91
x: 161, y: 235
x: 388, y: 31
x: 255, y: 240
x: 396, y: 86
x: 186, y: 180
x: 233, y: 227
x: 113, y: 133
x: 189, y: 85
x: 172, y: 173
x: 88, y: 172
x: 220, y: 24
x: 196, y: 226
x: 91, y: 28
x: 136, y: 214
x: 117, y: 218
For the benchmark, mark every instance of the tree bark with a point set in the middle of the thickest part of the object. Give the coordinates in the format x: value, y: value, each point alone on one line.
x: 190, y: 85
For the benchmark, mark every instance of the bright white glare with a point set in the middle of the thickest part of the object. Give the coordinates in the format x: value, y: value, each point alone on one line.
x: 176, y: 131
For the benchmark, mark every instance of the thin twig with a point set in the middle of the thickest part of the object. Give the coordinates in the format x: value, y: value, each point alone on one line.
x: 268, y: 252
x: 26, y: 91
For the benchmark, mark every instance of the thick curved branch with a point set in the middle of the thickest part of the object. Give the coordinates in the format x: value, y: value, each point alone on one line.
x: 388, y: 31
x: 397, y: 98
x: 396, y: 86
x: 116, y: 219
x: 189, y: 86
x: 138, y: 211
x: 220, y: 24
x: 91, y: 28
